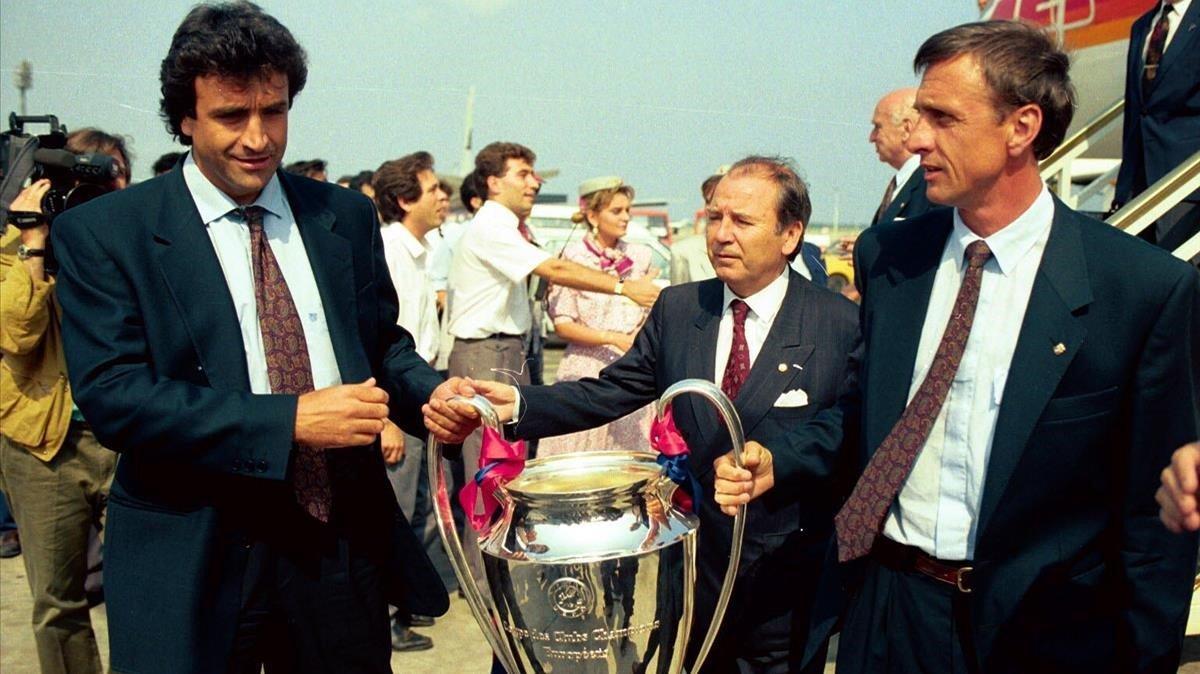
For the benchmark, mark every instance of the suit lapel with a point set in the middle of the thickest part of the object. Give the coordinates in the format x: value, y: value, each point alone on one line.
x: 703, y: 344
x: 1187, y: 31
x: 331, y: 258
x: 1059, y: 290
x: 192, y: 272
x: 901, y: 199
x: 783, y: 346
x: 895, y: 340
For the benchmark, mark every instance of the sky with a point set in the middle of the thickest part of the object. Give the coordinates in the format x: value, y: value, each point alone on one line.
x: 660, y: 93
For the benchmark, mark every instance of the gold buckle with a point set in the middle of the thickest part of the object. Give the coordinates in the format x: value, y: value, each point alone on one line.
x: 960, y: 579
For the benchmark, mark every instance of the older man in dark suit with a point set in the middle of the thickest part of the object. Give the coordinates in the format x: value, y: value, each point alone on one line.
x: 1020, y: 392
x: 231, y: 331
x: 779, y: 346
x: 1162, y: 112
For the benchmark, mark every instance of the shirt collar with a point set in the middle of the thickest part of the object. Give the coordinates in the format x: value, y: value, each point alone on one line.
x: 1013, y: 241
x: 415, y: 247
x: 494, y: 211
x: 908, y: 168
x: 213, y: 204
x: 766, y: 302
x: 1178, y: 9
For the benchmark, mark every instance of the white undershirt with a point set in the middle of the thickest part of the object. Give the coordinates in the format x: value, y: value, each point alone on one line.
x: 764, y: 305
x: 938, y: 505
x: 231, y: 240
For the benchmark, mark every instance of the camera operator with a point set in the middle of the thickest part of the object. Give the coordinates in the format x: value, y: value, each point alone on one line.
x: 52, y: 468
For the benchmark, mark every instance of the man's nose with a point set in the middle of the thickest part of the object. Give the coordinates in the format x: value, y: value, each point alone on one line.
x: 919, y: 140
x: 255, y: 136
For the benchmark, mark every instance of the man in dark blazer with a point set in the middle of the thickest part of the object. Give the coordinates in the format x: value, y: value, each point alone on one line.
x: 1016, y: 404
x: 250, y: 519
x: 1162, y: 112
x: 799, y: 338
x: 891, y: 123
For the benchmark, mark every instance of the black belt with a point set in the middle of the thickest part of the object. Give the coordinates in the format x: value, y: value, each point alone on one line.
x: 496, y: 335
x: 957, y: 574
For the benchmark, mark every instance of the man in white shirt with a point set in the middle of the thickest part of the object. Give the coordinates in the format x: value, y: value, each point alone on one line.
x: 1020, y: 393
x: 780, y: 348
x: 891, y: 123
x: 488, y: 286
x: 411, y: 201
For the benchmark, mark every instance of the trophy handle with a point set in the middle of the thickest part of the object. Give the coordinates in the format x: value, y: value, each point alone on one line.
x: 729, y: 414
x: 458, y: 558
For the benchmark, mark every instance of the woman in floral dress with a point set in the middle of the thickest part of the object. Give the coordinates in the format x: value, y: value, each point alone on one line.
x: 597, y: 327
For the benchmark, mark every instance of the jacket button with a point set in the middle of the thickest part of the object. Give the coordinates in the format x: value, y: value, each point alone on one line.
x: 237, y: 464
x: 262, y: 466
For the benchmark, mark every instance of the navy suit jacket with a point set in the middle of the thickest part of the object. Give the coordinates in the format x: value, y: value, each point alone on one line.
x: 1162, y: 126
x: 157, y: 365
x: 812, y: 337
x: 1073, y: 569
x: 909, y: 201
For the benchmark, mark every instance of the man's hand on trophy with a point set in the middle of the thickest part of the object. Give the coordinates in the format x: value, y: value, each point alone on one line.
x: 502, y: 396
x: 451, y: 421
x: 737, y: 486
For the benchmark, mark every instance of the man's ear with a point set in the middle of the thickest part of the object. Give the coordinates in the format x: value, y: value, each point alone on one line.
x: 1024, y: 125
x: 794, y: 234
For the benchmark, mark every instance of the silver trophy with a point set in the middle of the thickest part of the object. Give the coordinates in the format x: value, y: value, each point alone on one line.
x: 589, y: 566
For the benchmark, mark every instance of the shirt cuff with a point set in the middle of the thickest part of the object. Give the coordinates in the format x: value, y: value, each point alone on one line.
x: 516, y: 407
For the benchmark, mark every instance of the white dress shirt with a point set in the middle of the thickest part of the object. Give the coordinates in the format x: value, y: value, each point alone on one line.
x: 231, y: 240
x: 1179, y: 9
x: 487, y: 288
x: 764, y: 304
x: 938, y: 506
x: 407, y: 260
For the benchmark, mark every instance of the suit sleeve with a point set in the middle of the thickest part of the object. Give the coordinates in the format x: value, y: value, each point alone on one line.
x: 131, y: 408
x: 1131, y: 147
x: 624, y: 386
x: 399, y: 369
x: 1158, y: 566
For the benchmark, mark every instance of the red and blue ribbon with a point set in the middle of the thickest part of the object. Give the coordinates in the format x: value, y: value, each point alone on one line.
x: 673, y: 454
x: 499, y: 462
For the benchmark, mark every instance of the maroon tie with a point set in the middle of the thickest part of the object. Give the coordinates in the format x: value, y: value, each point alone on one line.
x: 737, y: 368
x: 860, y: 519
x: 887, y: 200
x: 1155, y: 47
x: 288, y: 367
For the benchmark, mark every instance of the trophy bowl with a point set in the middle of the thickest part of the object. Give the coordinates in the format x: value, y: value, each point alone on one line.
x: 590, y: 568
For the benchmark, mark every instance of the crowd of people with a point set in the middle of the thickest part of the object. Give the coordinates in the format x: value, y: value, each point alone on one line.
x: 974, y: 459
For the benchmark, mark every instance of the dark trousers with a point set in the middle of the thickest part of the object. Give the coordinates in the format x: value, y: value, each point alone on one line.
x: 301, y: 613
x: 7, y: 523
x: 905, y: 623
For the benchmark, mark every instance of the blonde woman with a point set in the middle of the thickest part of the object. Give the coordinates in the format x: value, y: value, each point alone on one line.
x: 598, y: 327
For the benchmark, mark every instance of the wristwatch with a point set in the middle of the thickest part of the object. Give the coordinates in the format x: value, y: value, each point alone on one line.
x: 25, y: 252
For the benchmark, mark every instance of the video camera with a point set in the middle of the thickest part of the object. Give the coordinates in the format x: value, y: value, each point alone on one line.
x: 74, y: 178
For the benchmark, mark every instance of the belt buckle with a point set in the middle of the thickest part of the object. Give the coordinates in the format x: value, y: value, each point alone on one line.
x: 961, y: 580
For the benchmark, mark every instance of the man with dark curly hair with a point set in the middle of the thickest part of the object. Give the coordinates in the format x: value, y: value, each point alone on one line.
x: 231, y: 331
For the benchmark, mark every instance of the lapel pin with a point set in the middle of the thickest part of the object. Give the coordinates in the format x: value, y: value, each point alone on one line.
x: 783, y: 367
x: 1060, y: 349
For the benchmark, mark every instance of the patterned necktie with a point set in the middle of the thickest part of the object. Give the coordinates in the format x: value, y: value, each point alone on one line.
x: 288, y: 367
x: 861, y: 517
x: 1155, y: 47
x: 887, y: 200
x: 737, y: 368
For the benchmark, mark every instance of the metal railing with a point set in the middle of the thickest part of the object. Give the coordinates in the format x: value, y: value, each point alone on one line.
x: 1057, y: 168
x: 1146, y: 208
